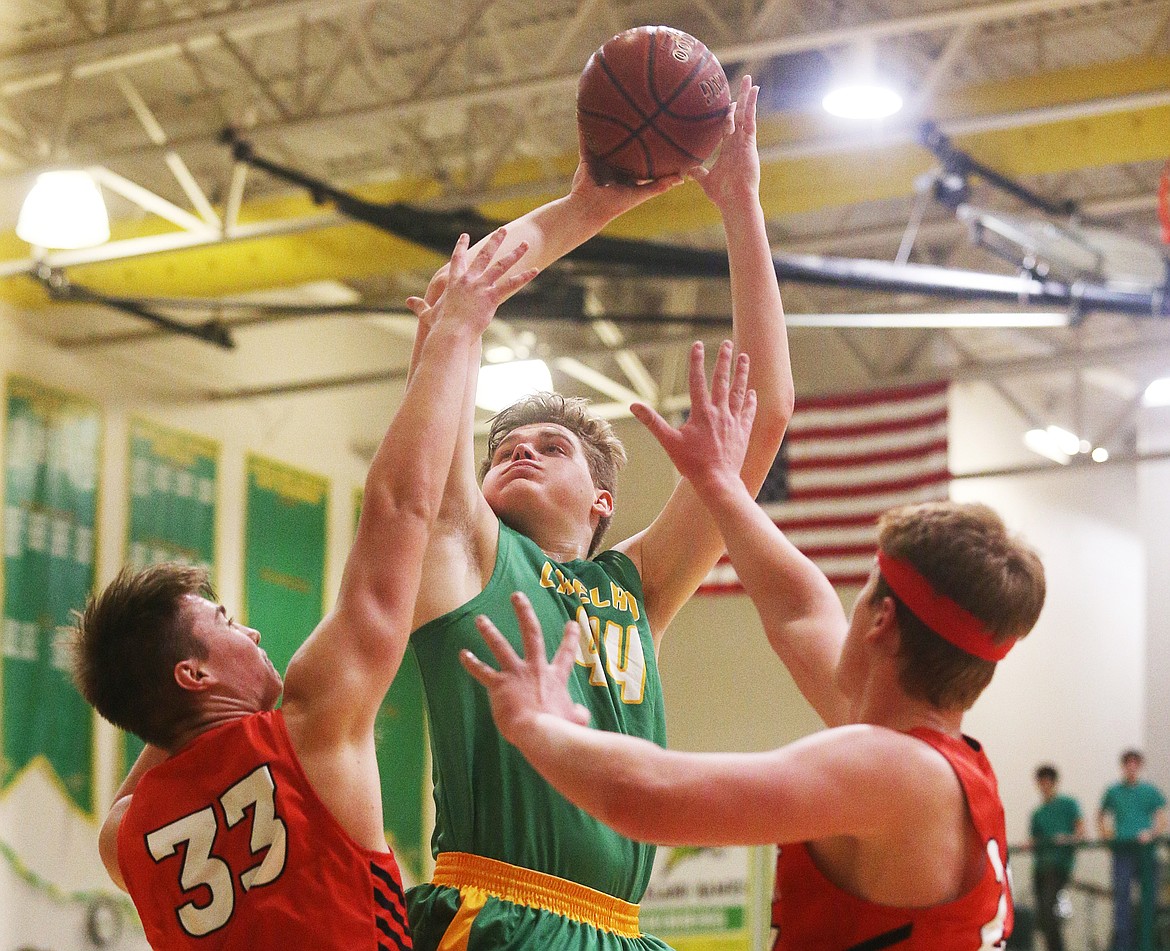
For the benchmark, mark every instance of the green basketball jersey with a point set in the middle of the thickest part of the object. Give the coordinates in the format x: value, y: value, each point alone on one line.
x: 488, y: 800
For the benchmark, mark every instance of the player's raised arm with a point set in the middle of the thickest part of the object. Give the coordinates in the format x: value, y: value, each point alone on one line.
x: 463, y: 551
x: 677, y: 550
x: 345, y: 667
x: 800, y: 611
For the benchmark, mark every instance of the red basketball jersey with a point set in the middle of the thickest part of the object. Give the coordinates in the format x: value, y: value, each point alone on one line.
x: 813, y: 914
x: 227, y: 846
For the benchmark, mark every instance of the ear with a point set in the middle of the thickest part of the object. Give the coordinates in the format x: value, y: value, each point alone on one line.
x: 883, y: 632
x: 602, y: 504
x: 190, y: 674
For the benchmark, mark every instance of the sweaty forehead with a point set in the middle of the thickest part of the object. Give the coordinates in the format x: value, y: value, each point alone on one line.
x: 199, y: 608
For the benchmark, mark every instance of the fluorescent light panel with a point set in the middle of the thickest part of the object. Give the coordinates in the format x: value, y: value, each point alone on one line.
x: 1060, y: 445
x: 1041, y: 443
x: 941, y: 320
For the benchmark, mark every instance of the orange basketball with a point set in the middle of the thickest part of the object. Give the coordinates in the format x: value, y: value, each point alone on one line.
x: 652, y: 102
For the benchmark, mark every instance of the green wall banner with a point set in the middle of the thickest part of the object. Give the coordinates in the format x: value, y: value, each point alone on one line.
x: 173, y: 489
x: 284, y: 554
x: 52, y: 453
x: 401, y: 741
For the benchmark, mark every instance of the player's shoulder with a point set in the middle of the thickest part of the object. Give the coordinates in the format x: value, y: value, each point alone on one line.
x: 921, y: 765
x: 905, y: 782
x: 878, y: 751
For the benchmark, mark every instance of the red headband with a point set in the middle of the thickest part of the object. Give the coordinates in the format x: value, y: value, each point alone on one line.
x: 947, y: 619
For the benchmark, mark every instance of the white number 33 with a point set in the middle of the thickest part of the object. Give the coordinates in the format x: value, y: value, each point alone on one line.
x: 200, y: 867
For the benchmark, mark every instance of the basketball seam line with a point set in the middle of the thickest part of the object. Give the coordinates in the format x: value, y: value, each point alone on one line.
x: 634, y: 137
x: 664, y: 104
x: 683, y: 83
x: 647, y: 120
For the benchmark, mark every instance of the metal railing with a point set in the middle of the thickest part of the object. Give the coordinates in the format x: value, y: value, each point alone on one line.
x: 1086, y: 906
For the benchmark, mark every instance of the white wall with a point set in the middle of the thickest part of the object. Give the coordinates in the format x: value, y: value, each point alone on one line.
x: 1073, y: 692
x: 1154, y: 512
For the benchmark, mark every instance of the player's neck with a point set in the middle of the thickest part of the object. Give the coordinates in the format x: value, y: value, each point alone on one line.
x: 560, y: 542
x: 886, y: 704
x: 563, y: 551
x: 215, y: 714
x: 561, y: 534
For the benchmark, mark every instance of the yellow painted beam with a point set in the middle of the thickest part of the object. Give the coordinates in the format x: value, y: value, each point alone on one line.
x: 788, y: 186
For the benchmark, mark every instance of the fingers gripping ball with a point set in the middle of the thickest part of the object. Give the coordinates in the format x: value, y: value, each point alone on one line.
x: 653, y: 101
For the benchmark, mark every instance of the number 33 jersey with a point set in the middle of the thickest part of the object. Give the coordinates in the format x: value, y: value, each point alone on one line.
x: 227, y: 846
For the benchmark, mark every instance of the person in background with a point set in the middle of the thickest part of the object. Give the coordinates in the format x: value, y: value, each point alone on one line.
x: 1056, y: 824
x: 1132, y: 816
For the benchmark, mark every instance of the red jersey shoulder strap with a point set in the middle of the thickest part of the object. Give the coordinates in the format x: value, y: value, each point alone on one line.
x: 975, y: 775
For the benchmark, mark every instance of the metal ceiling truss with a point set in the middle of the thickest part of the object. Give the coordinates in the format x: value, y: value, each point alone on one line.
x: 437, y: 230
x: 230, y: 32
x: 200, y: 231
x: 463, y: 64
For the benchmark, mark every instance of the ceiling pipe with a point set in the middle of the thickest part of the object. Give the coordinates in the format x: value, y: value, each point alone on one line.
x: 62, y: 289
x: 439, y: 231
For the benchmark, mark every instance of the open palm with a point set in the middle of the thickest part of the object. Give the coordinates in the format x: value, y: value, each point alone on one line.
x: 736, y: 171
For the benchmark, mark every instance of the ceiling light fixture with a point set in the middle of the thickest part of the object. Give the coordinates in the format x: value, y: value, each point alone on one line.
x: 64, y: 209
x: 859, y: 94
x: 502, y: 384
x: 1157, y: 393
x: 858, y: 100
x: 1060, y: 445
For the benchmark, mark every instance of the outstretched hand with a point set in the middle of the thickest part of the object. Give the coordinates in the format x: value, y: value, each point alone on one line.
x: 470, y: 291
x: 527, y: 686
x: 709, y: 449
x: 736, y: 172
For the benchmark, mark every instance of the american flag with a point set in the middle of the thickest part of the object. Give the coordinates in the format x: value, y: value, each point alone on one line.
x: 845, y: 460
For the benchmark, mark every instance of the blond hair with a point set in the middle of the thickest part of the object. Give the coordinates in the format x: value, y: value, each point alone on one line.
x: 604, y: 452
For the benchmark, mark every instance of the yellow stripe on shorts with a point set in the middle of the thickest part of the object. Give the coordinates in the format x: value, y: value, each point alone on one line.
x: 523, y: 886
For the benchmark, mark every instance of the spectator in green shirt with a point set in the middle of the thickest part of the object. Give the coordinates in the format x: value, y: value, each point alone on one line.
x: 1056, y: 823
x: 1132, y: 815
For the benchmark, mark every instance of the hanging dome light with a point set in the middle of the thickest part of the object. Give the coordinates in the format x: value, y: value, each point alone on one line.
x: 862, y: 101
x: 64, y: 209
x: 859, y: 92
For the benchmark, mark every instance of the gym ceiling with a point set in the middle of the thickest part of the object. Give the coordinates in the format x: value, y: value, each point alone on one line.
x: 469, y: 105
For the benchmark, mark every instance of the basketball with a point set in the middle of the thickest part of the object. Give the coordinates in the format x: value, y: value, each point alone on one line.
x: 651, y: 102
